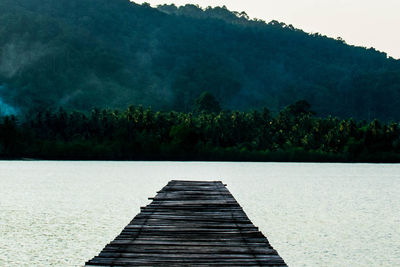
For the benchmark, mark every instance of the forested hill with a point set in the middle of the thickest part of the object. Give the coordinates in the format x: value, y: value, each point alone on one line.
x: 81, y: 54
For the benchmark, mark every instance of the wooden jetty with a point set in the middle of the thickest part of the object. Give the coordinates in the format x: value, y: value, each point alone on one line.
x: 190, y: 223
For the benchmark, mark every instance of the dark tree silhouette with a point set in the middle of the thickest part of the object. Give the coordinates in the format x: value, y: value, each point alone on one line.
x: 206, y: 102
x: 293, y: 134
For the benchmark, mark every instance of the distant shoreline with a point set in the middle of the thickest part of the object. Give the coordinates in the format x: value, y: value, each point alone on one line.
x: 295, y: 134
x: 283, y: 158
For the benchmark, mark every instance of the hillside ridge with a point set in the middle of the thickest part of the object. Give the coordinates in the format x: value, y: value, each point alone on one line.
x: 97, y: 53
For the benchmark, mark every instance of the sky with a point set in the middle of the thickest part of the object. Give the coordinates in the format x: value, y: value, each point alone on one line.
x: 368, y: 23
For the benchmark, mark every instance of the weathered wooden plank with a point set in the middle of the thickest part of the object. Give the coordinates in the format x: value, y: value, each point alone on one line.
x: 199, y: 219
x: 190, y: 223
x: 180, y: 255
x: 187, y: 260
x: 180, y: 248
x: 204, y: 243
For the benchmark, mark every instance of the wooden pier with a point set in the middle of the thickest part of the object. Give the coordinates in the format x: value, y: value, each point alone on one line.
x: 190, y: 223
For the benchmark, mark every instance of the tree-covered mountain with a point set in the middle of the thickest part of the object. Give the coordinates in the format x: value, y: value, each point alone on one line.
x: 81, y: 54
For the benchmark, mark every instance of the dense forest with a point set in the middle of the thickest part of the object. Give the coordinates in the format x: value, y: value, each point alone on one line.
x: 80, y: 54
x: 207, y: 133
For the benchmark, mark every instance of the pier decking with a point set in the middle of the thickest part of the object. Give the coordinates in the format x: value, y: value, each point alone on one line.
x: 190, y: 223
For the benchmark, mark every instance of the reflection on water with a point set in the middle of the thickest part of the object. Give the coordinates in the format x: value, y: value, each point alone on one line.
x: 63, y: 213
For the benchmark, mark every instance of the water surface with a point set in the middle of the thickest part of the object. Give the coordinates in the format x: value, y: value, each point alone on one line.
x: 63, y: 213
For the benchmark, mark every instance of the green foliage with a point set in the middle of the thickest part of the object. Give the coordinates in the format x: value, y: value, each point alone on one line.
x: 9, y: 136
x: 206, y: 102
x: 294, y: 134
x: 81, y: 54
x: 184, y: 137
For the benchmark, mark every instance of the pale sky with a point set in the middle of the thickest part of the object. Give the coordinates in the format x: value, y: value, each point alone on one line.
x: 369, y: 23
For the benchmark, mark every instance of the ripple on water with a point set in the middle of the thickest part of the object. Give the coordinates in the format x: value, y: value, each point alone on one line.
x: 63, y: 213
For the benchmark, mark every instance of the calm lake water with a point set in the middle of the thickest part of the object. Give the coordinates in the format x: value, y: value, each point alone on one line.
x: 63, y: 213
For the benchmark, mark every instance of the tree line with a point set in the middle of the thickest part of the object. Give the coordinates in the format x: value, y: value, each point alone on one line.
x: 136, y: 133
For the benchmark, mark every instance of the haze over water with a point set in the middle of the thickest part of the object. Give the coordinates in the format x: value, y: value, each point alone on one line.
x: 64, y: 213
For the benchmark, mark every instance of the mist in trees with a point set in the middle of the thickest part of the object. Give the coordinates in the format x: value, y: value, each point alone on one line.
x: 80, y: 54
